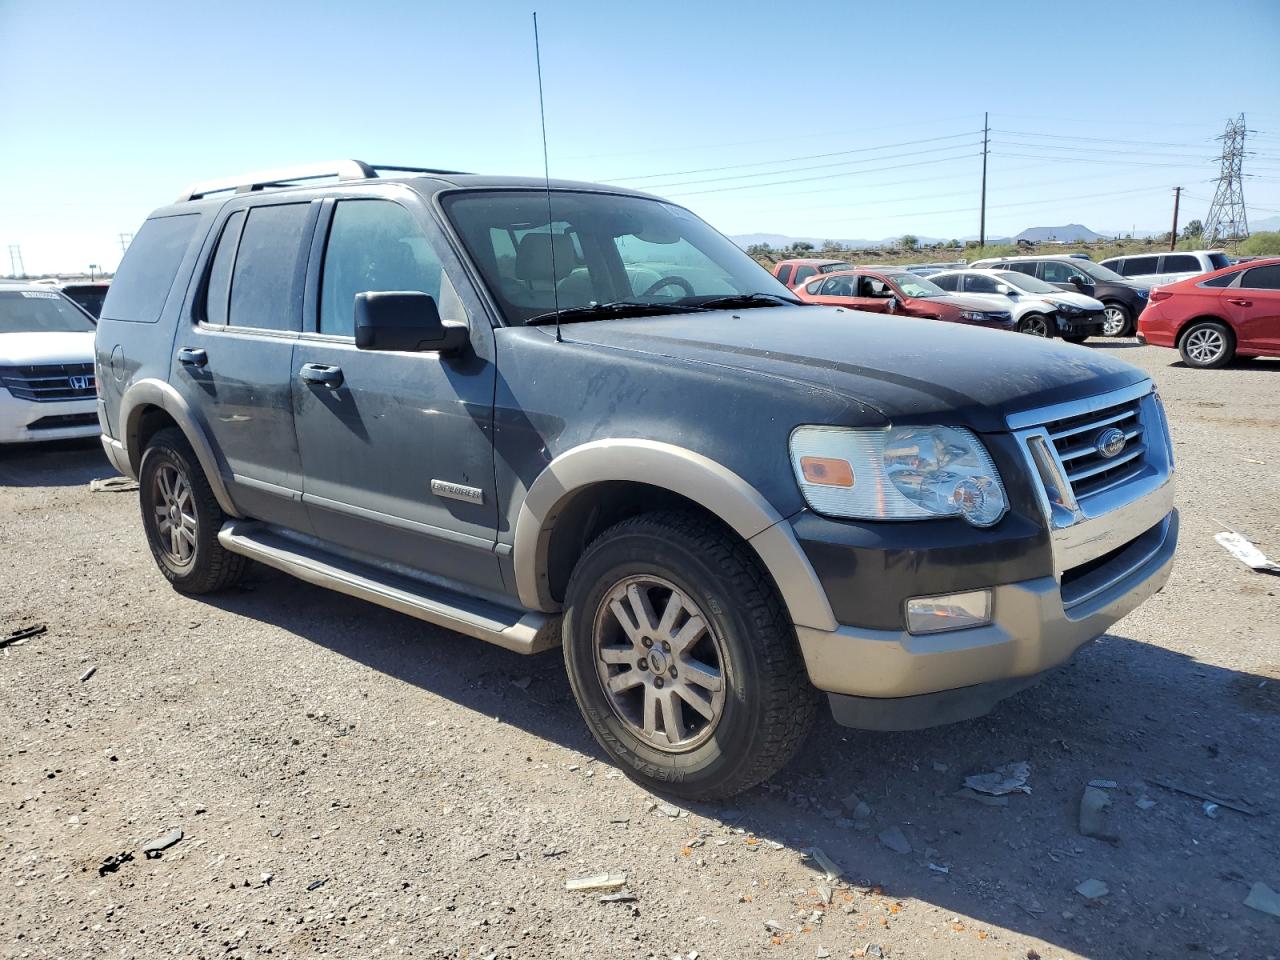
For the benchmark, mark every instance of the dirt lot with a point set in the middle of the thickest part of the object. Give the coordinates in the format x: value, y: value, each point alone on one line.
x: 353, y: 783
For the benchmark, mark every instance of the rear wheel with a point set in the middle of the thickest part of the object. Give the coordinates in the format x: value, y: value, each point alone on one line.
x: 682, y: 658
x: 1117, y: 322
x: 1036, y: 324
x: 1207, y: 344
x: 182, y: 518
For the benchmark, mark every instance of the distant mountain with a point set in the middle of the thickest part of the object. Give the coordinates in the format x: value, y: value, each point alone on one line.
x: 780, y: 241
x: 1069, y: 233
x: 1264, y: 226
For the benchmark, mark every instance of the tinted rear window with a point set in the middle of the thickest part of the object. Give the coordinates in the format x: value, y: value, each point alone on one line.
x: 1224, y: 280
x: 1181, y: 263
x: 141, y: 284
x: 1140, y: 266
x: 265, y: 278
x: 1262, y: 278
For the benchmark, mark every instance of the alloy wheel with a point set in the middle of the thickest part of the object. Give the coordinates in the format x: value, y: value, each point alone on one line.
x: 175, y: 514
x: 1036, y: 326
x: 1114, y: 323
x: 664, y: 674
x: 1205, y: 345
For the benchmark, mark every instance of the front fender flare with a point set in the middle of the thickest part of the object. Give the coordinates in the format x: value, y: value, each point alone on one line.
x: 691, y: 475
x: 157, y: 393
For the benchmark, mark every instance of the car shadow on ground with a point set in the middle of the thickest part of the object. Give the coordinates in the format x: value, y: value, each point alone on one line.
x: 1123, y: 711
x: 55, y: 463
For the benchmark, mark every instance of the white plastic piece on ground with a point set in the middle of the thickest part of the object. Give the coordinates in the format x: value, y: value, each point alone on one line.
x: 112, y: 485
x: 1244, y: 551
x: 1009, y: 778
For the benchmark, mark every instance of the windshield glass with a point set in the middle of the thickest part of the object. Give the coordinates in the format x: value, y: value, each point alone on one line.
x: 1025, y: 283
x: 916, y: 286
x: 35, y: 311
x: 1097, y: 271
x: 606, y: 250
x: 832, y: 267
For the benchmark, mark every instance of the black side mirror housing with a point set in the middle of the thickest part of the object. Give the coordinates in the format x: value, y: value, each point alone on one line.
x: 405, y: 320
x: 1080, y: 284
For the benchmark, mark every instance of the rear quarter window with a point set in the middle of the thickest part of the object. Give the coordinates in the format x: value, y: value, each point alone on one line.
x: 150, y: 265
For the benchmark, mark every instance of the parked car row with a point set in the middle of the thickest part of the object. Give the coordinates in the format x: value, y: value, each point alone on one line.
x: 1157, y: 269
x: 1122, y: 299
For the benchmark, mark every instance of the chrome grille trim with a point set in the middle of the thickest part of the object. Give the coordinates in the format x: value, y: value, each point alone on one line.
x: 48, y: 382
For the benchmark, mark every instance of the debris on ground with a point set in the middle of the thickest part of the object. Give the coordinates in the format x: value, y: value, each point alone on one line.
x: 1093, y: 819
x: 968, y: 794
x: 1244, y: 550
x: 1093, y: 889
x: 1144, y: 803
x: 522, y: 682
x: 773, y: 926
x: 622, y: 896
x: 939, y: 868
x: 1009, y: 778
x: 1104, y: 784
x: 1210, y: 810
x: 316, y: 884
x: 671, y: 810
x: 22, y: 634
x: 597, y: 881
x: 88, y: 673
x: 112, y: 485
x: 895, y: 840
x: 114, y: 862
x: 1263, y: 898
x: 1199, y: 795
x: 161, y: 843
x: 824, y: 863
x: 870, y: 950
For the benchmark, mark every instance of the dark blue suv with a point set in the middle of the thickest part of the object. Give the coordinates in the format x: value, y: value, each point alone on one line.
x: 545, y: 414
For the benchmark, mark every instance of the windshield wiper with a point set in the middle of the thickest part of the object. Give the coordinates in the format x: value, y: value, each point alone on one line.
x: 613, y: 309
x: 747, y: 300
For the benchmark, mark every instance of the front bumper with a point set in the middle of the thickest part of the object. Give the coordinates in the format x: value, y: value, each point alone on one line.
x: 890, y: 680
x: 30, y: 421
x: 1081, y: 324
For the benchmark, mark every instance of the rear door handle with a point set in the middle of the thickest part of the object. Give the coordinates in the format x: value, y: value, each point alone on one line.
x: 1240, y: 302
x: 192, y: 357
x: 331, y: 377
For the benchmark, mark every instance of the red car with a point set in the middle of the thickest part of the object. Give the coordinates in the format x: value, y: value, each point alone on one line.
x: 906, y: 294
x: 1214, y: 317
x: 796, y: 271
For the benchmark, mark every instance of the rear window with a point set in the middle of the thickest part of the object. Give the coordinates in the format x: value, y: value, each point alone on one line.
x: 784, y: 273
x: 1262, y: 278
x: 1223, y: 281
x: 1219, y: 260
x: 1140, y: 266
x: 265, y: 277
x: 141, y: 284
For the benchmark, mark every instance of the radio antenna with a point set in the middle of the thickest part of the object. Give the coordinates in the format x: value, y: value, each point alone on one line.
x: 546, y: 176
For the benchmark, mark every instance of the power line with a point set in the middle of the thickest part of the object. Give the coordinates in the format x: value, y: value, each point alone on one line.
x: 819, y: 166
x: 1137, y: 163
x: 1059, y: 136
x: 1204, y: 158
x: 812, y: 156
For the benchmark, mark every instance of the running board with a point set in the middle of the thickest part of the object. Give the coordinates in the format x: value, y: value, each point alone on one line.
x: 517, y: 630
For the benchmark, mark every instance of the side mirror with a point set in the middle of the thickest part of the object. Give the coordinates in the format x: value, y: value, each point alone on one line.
x: 405, y: 320
x: 1079, y: 283
x: 1005, y: 289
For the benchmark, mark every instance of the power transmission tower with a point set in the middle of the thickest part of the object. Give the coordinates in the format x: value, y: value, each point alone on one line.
x: 125, y: 240
x: 1226, y: 218
x: 15, y: 261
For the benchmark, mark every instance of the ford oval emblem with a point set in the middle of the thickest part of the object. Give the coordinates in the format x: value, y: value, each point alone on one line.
x: 1110, y: 442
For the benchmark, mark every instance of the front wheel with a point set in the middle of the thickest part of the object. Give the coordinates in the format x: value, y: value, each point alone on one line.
x: 682, y: 657
x: 1116, y: 320
x: 1207, y: 344
x: 1035, y: 324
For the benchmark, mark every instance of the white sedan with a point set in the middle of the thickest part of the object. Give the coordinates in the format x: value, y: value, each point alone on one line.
x: 1040, y: 308
x: 47, y: 386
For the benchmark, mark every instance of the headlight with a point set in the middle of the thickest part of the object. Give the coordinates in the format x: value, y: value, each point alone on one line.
x: 902, y: 473
x: 1068, y: 309
x: 972, y: 315
x: 1142, y: 293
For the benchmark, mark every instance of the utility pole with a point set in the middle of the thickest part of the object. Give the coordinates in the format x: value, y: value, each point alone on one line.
x: 982, y: 220
x: 1226, y: 217
x: 1173, y: 234
x: 125, y: 240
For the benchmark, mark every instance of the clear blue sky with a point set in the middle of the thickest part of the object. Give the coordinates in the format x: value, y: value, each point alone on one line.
x: 1098, y: 109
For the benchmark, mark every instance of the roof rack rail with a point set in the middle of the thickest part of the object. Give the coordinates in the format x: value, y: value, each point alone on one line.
x: 290, y: 176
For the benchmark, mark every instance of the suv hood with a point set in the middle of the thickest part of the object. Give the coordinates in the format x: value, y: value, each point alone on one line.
x: 905, y: 368
x: 35, y: 347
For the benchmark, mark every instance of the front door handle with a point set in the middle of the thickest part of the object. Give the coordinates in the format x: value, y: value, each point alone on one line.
x: 192, y: 357
x: 1240, y: 301
x: 331, y: 377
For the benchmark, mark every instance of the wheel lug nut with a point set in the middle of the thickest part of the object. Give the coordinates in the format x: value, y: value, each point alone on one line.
x: 642, y: 663
x: 657, y: 682
x: 647, y: 642
x: 666, y: 646
x: 672, y: 671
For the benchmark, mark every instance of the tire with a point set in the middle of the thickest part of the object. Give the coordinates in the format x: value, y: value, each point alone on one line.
x: 190, y: 558
x: 1076, y: 338
x: 1207, y: 344
x: 1118, y: 320
x: 765, y: 705
x: 1036, y: 325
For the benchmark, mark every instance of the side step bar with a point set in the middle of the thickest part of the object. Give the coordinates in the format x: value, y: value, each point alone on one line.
x: 517, y: 630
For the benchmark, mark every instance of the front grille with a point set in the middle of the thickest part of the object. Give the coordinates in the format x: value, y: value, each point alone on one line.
x: 1075, y: 439
x: 50, y: 381
x: 63, y: 420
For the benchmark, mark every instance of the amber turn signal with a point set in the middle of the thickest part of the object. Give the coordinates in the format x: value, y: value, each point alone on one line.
x: 827, y: 471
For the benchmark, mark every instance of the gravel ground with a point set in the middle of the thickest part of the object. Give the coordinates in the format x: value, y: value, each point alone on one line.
x: 351, y: 782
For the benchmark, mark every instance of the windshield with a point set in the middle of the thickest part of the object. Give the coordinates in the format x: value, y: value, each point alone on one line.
x: 916, y: 286
x: 607, y: 250
x: 832, y: 267
x: 1097, y: 271
x: 35, y: 311
x: 1025, y: 283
